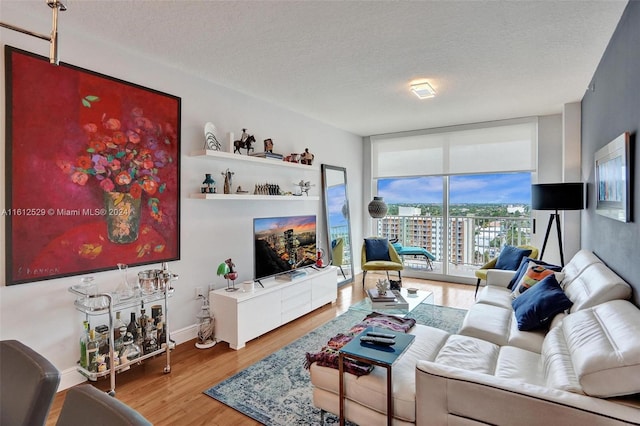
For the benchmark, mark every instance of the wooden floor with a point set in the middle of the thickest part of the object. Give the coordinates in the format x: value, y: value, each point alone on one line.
x: 177, y: 399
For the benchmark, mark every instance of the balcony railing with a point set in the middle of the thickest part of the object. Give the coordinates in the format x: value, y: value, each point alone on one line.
x: 472, y: 240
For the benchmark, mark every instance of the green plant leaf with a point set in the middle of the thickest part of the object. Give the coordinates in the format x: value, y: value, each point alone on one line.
x: 86, y: 103
x: 92, y: 98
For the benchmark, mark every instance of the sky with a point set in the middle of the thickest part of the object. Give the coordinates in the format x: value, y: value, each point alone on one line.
x: 505, y: 188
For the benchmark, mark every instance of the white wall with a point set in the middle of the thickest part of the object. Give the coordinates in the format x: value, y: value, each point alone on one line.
x: 549, y: 171
x: 559, y: 161
x: 41, y: 314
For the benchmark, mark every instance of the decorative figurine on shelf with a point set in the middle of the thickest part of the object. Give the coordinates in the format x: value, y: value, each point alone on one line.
x: 205, y: 325
x: 226, y: 270
x: 382, y: 286
x: 292, y: 158
x: 228, y: 174
x: 245, y: 142
x: 210, y: 140
x: 306, y: 157
x: 241, y: 191
x: 208, y: 185
x: 268, y: 145
x: 304, y: 187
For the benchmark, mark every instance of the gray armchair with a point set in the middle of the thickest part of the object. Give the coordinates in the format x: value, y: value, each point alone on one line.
x: 28, y: 384
x: 85, y: 404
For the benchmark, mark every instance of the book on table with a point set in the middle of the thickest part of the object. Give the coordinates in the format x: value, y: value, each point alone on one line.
x: 374, y: 295
x: 394, y: 302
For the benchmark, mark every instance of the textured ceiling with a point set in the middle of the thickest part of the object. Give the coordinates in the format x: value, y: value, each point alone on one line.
x: 349, y: 64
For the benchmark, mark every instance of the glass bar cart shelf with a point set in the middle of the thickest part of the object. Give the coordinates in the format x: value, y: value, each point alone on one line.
x: 107, y: 304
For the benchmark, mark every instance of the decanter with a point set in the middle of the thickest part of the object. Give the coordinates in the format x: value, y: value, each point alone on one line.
x: 124, y: 290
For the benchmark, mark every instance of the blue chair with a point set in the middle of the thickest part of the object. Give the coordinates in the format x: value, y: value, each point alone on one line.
x: 414, y: 251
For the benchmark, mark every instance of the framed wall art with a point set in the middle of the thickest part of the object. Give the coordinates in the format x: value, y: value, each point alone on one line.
x: 92, y: 171
x: 613, y: 179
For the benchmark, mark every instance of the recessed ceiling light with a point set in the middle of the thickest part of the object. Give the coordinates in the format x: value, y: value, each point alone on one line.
x: 423, y: 90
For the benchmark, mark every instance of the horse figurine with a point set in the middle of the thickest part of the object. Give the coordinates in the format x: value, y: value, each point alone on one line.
x: 246, y: 144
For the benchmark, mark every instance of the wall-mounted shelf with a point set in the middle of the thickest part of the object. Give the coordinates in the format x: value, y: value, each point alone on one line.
x: 208, y: 153
x: 254, y: 197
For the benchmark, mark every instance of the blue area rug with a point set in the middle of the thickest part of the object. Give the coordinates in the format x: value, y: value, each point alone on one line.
x: 277, y: 389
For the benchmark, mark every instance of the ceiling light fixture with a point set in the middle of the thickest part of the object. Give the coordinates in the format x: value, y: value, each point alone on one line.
x: 423, y: 90
x: 55, y: 6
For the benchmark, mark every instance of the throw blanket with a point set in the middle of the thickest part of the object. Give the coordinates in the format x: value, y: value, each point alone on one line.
x: 328, y: 355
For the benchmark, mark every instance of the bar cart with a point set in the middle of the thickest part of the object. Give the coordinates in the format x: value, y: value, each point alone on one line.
x: 106, y: 304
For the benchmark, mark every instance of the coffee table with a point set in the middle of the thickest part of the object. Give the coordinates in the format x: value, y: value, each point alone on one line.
x: 383, y: 356
x: 421, y: 296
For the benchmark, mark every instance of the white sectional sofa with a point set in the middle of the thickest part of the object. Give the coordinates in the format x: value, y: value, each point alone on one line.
x: 581, y: 372
x: 587, y: 282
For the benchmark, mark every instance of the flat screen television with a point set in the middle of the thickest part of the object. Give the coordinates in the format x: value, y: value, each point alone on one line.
x: 283, y: 244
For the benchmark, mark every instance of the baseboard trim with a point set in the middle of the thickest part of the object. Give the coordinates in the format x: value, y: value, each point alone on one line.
x: 70, y: 377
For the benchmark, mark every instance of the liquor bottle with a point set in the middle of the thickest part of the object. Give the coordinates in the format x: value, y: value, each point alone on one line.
x: 162, y: 337
x: 92, y: 351
x: 84, y: 339
x: 150, y: 337
x: 132, y: 327
x: 143, y: 317
x: 119, y: 331
x: 102, y: 337
x: 139, y: 341
x: 116, y: 326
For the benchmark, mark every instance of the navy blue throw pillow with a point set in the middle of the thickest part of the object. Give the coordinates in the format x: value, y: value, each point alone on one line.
x: 377, y: 249
x: 536, y: 307
x: 510, y: 257
x: 522, y: 269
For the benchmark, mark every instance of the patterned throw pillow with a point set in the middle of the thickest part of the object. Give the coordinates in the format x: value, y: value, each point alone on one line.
x: 535, y: 273
x: 524, y: 264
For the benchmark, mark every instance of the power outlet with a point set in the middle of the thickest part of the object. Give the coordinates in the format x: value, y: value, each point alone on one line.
x: 199, y: 292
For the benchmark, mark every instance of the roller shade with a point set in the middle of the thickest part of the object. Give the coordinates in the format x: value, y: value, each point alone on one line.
x: 491, y: 149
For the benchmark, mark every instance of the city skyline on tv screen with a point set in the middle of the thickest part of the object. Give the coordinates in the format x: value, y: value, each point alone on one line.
x: 283, y: 244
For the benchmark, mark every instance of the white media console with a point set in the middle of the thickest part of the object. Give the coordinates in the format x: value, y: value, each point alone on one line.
x: 241, y: 316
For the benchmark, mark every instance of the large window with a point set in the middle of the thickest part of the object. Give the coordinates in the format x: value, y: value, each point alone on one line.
x: 460, y: 193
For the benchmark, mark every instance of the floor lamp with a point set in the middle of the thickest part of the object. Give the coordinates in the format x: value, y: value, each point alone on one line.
x: 556, y: 196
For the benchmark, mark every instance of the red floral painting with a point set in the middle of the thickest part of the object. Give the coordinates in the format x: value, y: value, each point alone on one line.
x: 93, y: 171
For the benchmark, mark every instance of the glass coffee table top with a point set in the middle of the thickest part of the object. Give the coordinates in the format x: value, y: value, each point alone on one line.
x: 421, y: 296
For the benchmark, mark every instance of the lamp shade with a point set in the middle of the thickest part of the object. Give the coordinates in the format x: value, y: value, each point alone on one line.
x: 557, y: 196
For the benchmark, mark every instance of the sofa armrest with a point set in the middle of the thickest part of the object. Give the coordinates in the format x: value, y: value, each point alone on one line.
x: 499, y: 277
x: 444, y: 392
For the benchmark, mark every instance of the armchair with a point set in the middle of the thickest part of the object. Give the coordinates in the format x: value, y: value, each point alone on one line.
x: 337, y: 254
x: 481, y: 273
x: 28, y: 384
x: 378, y: 254
x: 85, y: 404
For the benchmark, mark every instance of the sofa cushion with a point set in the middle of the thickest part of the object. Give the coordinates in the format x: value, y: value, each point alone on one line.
x: 487, y: 322
x: 556, y: 363
x: 596, y: 284
x: 578, y: 263
x: 469, y: 354
x: 510, y: 257
x: 603, y: 343
x: 528, y: 340
x: 519, y: 364
x: 535, y: 308
x: 495, y: 295
x: 524, y: 264
x: 377, y: 249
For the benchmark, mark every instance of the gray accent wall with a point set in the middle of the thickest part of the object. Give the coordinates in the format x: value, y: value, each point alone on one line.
x: 609, y: 108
